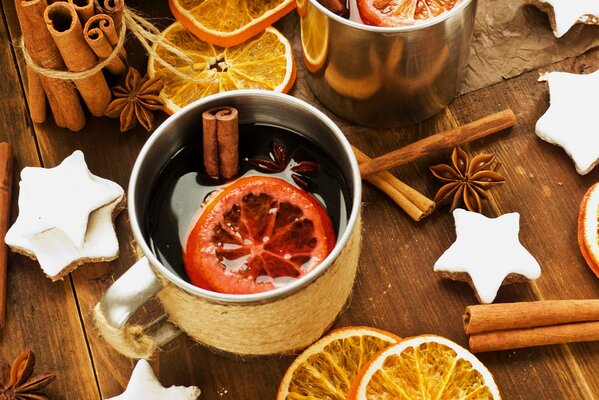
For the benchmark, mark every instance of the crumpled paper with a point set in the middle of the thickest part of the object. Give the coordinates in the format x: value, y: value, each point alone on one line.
x: 511, y: 37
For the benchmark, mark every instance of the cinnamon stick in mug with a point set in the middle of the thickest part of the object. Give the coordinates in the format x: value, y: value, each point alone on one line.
x: 210, y: 141
x: 6, y: 172
x: 99, y: 42
x: 67, y: 32
x: 228, y: 142
x: 62, y: 96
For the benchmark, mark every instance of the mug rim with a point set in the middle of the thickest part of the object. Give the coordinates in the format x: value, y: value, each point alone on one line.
x: 392, y: 29
x: 273, y: 294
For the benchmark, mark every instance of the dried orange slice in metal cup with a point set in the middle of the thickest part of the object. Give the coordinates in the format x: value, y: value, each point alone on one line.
x: 424, y: 367
x: 229, y: 23
x: 326, y: 369
x: 401, y: 12
x: 588, y: 225
x: 255, y: 235
x: 264, y: 62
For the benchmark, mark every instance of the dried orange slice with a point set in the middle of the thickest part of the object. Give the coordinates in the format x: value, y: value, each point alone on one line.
x: 588, y: 237
x: 315, y: 38
x: 263, y: 62
x: 229, y: 23
x: 401, y: 12
x: 424, y: 367
x: 257, y: 234
x: 327, y: 369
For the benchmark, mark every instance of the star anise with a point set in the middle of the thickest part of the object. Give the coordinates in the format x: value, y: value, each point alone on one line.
x: 279, y: 161
x: 467, y: 180
x: 136, y: 100
x: 18, y: 382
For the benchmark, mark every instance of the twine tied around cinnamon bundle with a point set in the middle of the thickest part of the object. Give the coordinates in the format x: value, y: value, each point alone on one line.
x: 145, y: 32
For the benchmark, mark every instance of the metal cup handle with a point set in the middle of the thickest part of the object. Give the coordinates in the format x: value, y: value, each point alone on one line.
x: 124, y: 297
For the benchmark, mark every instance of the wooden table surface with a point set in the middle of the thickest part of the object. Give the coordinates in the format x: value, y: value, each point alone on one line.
x: 395, y: 290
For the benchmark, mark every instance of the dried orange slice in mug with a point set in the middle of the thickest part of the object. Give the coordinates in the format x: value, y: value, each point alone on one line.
x: 229, y: 23
x: 257, y: 234
x: 327, y: 369
x: 588, y: 225
x: 263, y: 62
x: 424, y: 367
x: 401, y: 12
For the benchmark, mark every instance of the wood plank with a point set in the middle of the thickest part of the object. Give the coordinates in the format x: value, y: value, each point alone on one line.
x: 396, y: 290
x: 40, y: 314
x: 544, y: 187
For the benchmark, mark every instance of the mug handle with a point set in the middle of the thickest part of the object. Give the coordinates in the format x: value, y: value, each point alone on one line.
x: 122, y: 299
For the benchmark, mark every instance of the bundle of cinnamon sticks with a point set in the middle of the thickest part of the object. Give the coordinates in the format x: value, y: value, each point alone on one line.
x: 221, y: 142
x: 70, y: 36
x: 516, y: 325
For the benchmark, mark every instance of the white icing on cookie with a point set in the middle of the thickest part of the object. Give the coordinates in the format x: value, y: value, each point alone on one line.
x: 488, y: 250
x: 571, y: 120
x: 569, y: 12
x: 62, y: 197
x: 54, y: 248
x: 144, y: 385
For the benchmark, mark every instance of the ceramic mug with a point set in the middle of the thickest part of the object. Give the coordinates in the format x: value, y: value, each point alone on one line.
x: 281, y: 320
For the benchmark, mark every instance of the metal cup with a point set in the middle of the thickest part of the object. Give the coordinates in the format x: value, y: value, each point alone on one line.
x: 381, y: 76
x: 149, y: 276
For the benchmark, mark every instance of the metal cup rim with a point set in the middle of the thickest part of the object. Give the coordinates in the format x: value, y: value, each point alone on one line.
x: 395, y: 29
x: 277, y: 293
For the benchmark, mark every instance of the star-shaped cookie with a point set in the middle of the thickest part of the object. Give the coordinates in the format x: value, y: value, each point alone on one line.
x: 564, y: 14
x: 487, y: 254
x: 53, y: 247
x: 61, y: 198
x: 144, y: 385
x: 571, y: 120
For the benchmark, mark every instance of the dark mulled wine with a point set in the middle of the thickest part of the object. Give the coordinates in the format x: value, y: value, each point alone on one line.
x: 265, y: 150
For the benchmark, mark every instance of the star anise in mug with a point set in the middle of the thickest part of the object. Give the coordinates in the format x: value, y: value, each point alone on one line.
x: 18, y: 382
x: 136, y: 101
x: 466, y: 180
x: 279, y: 161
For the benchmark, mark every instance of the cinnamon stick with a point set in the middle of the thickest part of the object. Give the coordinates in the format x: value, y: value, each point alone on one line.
x: 84, y: 8
x: 440, y: 141
x: 221, y: 142
x: 210, y: 141
x: 96, y: 38
x: 36, y: 97
x: 62, y: 96
x: 114, y: 8
x: 6, y: 172
x: 545, y: 335
x: 506, y: 316
x: 228, y: 142
x: 67, y: 32
x: 415, y: 204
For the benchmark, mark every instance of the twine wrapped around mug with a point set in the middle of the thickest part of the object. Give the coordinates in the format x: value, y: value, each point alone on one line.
x: 276, y: 327
x: 146, y: 33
